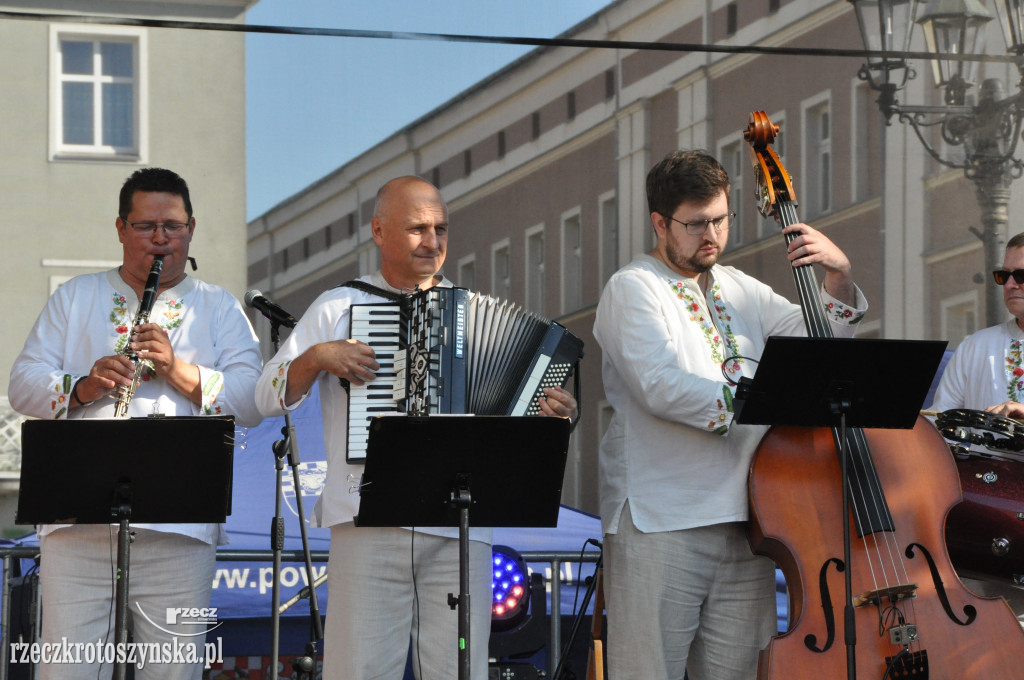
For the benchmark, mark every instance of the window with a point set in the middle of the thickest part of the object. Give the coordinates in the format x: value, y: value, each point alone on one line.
x: 535, y: 125
x: 570, y: 105
x: 572, y: 262
x: 501, y: 270
x: 501, y: 144
x: 609, y: 231
x: 959, y: 316
x: 733, y: 156
x: 535, y: 269
x: 818, y: 150
x: 867, y: 125
x: 97, y: 94
x: 467, y: 272
x: 731, y: 18
x: 467, y: 163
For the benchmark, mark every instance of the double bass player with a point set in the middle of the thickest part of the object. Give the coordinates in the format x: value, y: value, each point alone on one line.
x: 684, y: 592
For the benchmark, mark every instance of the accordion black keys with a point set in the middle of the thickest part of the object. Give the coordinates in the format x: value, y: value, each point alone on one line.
x: 448, y: 350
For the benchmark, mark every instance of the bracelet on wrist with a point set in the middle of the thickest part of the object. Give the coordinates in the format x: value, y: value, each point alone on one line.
x: 74, y: 393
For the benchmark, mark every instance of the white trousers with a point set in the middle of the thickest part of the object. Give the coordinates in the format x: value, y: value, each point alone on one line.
x: 390, y: 586
x: 77, y: 581
x: 694, y: 601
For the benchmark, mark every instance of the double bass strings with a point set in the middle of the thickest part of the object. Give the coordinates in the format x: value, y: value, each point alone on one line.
x: 887, y: 548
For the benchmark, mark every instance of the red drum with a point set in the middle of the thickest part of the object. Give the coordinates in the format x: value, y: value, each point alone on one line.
x: 985, y: 533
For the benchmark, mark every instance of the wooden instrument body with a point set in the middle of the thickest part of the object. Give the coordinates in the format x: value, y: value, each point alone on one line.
x: 795, y: 493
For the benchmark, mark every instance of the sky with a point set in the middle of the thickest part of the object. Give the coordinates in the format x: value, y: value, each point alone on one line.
x: 315, y: 102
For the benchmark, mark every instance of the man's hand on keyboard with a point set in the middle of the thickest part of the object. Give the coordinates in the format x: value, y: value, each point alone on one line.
x: 558, y: 402
x: 349, y: 359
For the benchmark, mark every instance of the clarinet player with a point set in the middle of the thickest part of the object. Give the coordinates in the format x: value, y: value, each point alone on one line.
x: 387, y: 586
x: 198, y: 355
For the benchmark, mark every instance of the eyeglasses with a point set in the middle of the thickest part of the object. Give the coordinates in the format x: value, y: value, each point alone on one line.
x: 700, y: 226
x: 1002, y: 276
x: 147, y: 228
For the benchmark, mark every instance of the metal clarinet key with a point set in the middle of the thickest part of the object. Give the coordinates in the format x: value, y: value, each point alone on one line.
x: 124, y: 394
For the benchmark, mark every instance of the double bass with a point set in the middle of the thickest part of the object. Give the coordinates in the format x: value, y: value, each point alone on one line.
x: 909, y: 615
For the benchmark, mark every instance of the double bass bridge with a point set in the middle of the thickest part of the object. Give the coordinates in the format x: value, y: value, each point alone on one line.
x: 893, y: 594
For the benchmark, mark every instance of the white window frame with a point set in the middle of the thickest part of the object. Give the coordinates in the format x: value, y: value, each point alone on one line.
x: 464, y: 261
x: 608, y: 243
x: 57, y: 149
x: 818, y: 199
x: 737, y: 194
x: 572, y: 258
x: 501, y: 289
x: 861, y: 103
x: 534, y: 281
x: 946, y: 305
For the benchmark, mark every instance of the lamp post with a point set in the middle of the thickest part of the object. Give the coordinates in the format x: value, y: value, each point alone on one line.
x: 988, y: 130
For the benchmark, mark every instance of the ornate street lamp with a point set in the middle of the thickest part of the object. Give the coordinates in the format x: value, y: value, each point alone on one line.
x: 988, y: 130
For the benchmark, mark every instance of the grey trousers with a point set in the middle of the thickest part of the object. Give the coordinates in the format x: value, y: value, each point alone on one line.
x: 695, y: 600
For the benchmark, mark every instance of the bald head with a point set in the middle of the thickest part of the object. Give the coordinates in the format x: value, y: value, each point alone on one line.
x: 410, y: 224
x: 399, y: 188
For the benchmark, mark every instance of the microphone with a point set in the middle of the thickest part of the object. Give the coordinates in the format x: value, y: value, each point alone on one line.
x: 255, y: 300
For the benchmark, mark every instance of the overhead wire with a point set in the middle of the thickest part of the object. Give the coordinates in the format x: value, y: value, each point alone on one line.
x: 503, y: 40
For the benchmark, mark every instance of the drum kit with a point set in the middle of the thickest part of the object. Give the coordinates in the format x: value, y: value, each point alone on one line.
x: 985, y: 533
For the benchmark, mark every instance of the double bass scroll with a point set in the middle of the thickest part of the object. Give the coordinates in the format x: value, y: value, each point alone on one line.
x: 910, y: 615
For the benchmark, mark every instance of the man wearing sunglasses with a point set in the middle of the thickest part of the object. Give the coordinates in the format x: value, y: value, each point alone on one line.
x: 987, y: 370
x: 987, y: 373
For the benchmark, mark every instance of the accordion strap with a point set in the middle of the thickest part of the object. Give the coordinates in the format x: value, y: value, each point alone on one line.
x: 371, y: 289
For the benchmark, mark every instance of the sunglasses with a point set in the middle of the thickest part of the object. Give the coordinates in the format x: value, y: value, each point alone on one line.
x: 1002, y: 276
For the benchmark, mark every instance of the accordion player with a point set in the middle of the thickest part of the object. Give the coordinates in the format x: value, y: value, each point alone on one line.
x: 448, y: 351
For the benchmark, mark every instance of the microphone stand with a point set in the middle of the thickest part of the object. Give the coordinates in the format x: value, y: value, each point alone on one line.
x: 288, y: 446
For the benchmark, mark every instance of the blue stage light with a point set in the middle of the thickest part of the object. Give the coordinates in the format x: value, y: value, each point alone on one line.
x: 509, y: 587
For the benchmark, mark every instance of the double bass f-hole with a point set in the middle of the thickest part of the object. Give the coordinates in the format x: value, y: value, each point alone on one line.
x: 904, y: 598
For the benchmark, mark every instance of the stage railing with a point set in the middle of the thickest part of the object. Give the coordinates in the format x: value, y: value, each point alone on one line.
x: 555, y: 559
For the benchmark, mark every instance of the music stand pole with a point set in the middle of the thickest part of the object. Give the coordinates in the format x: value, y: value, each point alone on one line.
x: 289, y: 447
x: 849, y: 623
x: 462, y: 499
x: 122, y: 511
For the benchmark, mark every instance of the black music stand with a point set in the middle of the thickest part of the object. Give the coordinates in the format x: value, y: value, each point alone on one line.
x: 446, y: 471
x: 144, y: 470
x: 790, y: 387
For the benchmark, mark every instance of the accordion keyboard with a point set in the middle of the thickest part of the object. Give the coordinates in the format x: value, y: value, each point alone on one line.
x: 380, y: 326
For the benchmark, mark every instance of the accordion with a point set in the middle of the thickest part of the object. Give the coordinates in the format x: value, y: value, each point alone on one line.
x: 447, y: 350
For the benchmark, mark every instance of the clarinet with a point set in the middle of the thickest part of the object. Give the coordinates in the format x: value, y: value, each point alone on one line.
x: 126, y: 392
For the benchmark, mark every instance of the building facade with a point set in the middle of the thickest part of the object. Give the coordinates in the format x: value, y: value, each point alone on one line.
x: 543, y: 167
x: 85, y: 105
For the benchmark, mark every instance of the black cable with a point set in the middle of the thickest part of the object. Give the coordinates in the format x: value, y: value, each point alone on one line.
x: 415, y: 596
x: 737, y: 358
x: 113, y: 590
x: 506, y: 40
